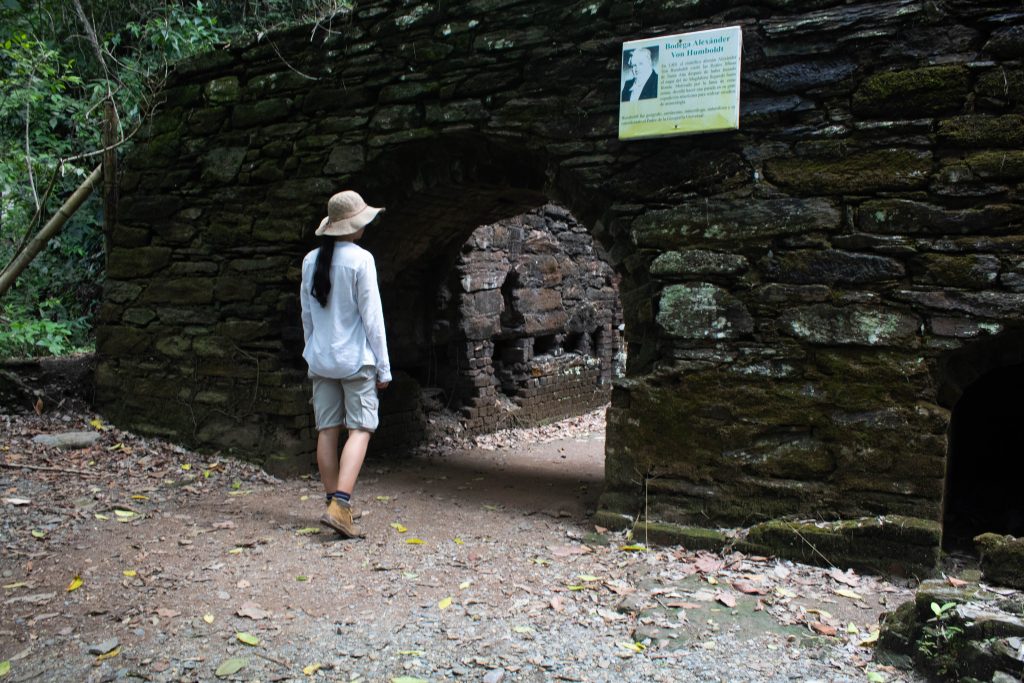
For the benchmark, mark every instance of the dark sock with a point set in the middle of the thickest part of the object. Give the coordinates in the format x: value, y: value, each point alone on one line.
x: 342, y: 497
x: 329, y: 496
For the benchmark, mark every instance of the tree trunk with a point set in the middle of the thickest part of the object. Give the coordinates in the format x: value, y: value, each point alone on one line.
x: 52, y: 227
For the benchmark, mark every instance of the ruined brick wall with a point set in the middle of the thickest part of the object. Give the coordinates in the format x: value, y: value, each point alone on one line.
x: 804, y: 299
x: 528, y: 327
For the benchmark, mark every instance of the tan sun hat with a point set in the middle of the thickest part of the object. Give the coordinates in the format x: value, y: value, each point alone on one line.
x: 347, y: 213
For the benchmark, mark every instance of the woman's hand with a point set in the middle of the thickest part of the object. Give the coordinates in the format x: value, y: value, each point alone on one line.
x: 381, y: 386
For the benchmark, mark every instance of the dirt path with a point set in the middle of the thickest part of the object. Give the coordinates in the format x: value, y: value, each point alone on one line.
x: 479, y: 565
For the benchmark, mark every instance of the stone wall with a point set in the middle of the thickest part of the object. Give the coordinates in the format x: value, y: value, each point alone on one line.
x: 527, y: 327
x: 804, y: 299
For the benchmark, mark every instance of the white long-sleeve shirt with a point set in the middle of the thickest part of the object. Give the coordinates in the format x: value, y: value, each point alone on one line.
x: 348, y: 333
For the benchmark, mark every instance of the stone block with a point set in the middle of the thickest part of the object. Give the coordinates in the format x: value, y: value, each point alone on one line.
x: 460, y: 111
x: 244, y: 330
x: 986, y: 304
x: 223, y: 90
x: 732, y: 222
x: 802, y: 76
x: 178, y: 291
x: 139, y: 317
x: 260, y: 113
x: 702, y: 311
x: 118, y: 341
x: 174, y: 346
x: 396, y: 117
x: 345, y: 159
x: 120, y: 292
x: 139, y: 262
x: 221, y: 166
x: 913, y: 92
x: 696, y: 262
x: 858, y: 173
x: 830, y: 267
x: 1007, y: 42
x: 997, y: 164
x: 971, y: 271
x: 531, y: 302
x: 904, y: 216
x: 1002, y: 559
x: 128, y: 237
x: 543, y: 271
x: 980, y: 130
x: 853, y: 325
x: 1003, y: 83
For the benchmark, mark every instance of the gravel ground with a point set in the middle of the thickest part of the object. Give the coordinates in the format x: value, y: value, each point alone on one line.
x: 136, y: 559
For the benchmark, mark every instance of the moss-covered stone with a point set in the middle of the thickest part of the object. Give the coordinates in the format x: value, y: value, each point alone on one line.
x: 718, y: 221
x: 697, y: 262
x: 179, y: 291
x: 998, y: 165
x: 115, y: 341
x: 174, y: 346
x: 914, y: 92
x: 211, y: 346
x: 244, y: 330
x: 903, y: 216
x: 120, y: 292
x: 874, y: 542
x: 974, y: 271
x: 1004, y: 83
x: 693, y: 538
x: 224, y: 90
x: 855, y: 325
x: 1002, y: 559
x: 884, y: 169
x: 136, y: 263
x: 702, y: 311
x: 222, y: 165
x: 139, y: 317
x: 830, y: 266
x: 983, y: 131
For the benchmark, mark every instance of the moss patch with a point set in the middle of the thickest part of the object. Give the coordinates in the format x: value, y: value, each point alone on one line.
x: 913, y: 92
x: 984, y: 131
x: 1002, y: 559
x: 885, y: 169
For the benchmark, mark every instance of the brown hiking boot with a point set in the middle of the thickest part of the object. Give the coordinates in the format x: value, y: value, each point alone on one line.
x: 356, y: 512
x: 339, y: 518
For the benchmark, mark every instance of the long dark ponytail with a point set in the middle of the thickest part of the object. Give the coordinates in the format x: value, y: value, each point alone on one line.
x: 322, y: 272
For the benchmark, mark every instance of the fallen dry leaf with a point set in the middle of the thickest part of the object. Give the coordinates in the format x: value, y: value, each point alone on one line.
x: 823, y: 629
x: 253, y: 611
x: 708, y: 563
x: 727, y: 599
x: 749, y: 587
x: 848, y: 577
x: 956, y: 583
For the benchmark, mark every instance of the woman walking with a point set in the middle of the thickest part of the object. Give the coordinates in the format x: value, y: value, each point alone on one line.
x: 345, y: 349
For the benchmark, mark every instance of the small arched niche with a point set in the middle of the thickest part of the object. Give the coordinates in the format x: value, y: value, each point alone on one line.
x: 984, y: 489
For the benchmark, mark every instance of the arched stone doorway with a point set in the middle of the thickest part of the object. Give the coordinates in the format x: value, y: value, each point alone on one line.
x: 789, y: 288
x: 985, y: 463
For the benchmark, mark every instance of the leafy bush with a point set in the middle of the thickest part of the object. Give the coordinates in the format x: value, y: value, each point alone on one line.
x: 55, y: 75
x: 25, y: 333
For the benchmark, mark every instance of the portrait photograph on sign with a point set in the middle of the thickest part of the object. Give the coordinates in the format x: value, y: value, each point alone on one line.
x: 680, y: 84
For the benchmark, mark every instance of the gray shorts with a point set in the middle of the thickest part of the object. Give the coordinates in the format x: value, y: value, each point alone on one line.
x: 351, y: 402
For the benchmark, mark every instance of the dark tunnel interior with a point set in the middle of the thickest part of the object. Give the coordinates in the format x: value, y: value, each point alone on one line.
x: 985, y: 469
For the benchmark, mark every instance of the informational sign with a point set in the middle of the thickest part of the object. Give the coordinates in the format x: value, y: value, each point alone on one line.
x: 680, y: 84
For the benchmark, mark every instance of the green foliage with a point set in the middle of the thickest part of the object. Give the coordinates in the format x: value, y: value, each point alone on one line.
x: 48, y: 332
x: 54, y: 80
x: 941, y: 640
